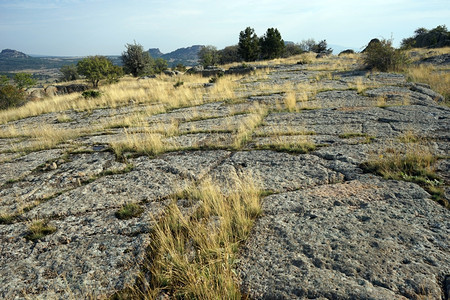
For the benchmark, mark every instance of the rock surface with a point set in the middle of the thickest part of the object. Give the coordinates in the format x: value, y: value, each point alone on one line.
x: 328, y: 230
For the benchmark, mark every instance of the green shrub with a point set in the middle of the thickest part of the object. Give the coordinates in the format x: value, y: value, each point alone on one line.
x: 11, y: 96
x: 24, y: 80
x: 383, y: 57
x: 91, y: 94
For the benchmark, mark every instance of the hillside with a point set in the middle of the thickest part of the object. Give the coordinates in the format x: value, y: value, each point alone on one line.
x: 187, y: 56
x: 93, y: 189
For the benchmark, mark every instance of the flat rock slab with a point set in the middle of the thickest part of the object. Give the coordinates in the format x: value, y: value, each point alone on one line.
x: 363, y: 239
x: 278, y: 171
x: 93, y: 252
x: 24, y: 165
x: 88, y: 255
x: 56, y: 177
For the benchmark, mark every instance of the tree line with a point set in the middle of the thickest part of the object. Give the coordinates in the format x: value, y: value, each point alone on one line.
x: 251, y: 48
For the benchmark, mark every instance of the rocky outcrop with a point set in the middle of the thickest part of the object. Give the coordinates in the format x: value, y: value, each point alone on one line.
x: 362, y: 239
x: 329, y: 229
x: 9, y: 53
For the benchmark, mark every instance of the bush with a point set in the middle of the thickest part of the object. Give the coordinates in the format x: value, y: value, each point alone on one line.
x: 69, y: 73
x: 91, y: 94
x: 11, y: 96
x: 383, y: 57
x: 24, y: 80
x: 208, y: 56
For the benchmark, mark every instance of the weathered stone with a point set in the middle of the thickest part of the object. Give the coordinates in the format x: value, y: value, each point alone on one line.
x: 330, y: 231
x: 278, y: 171
x: 363, y: 239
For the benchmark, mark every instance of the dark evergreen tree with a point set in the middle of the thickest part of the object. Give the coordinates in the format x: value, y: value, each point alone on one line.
x: 248, y: 47
x: 272, y: 45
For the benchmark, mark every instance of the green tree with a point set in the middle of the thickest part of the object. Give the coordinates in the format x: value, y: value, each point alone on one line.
x: 321, y: 47
x: 248, y: 46
x: 307, y: 45
x: 69, y: 73
x: 423, y: 38
x: 272, y: 45
x: 229, y: 54
x: 208, y: 56
x: 24, y: 80
x: 292, y: 49
x: 96, y: 68
x: 160, y: 65
x: 136, y: 61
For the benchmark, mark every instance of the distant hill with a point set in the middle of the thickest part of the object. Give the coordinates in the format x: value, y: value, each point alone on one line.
x: 9, y: 53
x: 155, y: 52
x: 187, y: 56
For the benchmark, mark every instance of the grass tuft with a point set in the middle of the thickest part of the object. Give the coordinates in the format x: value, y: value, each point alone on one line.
x: 194, y: 256
x: 39, y: 229
x: 413, y: 165
x: 128, y: 211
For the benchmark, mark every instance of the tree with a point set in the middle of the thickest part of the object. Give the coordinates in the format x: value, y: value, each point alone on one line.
x: 423, y: 38
x: 136, y: 61
x: 160, y: 65
x: 321, y: 47
x: 292, y: 49
x: 24, y: 80
x: 208, y: 56
x: 307, y: 45
x: 272, y: 45
x: 69, y: 73
x: 248, y: 46
x: 96, y: 68
x: 229, y: 54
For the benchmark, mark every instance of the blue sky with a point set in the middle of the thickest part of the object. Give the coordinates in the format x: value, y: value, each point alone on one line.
x: 90, y: 27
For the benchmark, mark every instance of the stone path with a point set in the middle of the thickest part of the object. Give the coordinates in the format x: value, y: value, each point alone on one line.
x: 329, y: 230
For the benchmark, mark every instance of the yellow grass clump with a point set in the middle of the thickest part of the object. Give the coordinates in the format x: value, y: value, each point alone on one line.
x: 438, y: 79
x: 194, y: 256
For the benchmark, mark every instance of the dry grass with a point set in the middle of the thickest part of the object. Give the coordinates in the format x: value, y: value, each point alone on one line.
x: 131, y: 91
x: 39, y: 138
x: 248, y: 125
x: 437, y: 78
x: 290, y: 101
x: 147, y: 142
x: 414, y: 162
x: 292, y: 144
x: 194, y: 256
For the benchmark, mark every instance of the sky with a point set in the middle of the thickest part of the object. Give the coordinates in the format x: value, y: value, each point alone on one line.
x: 91, y: 27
